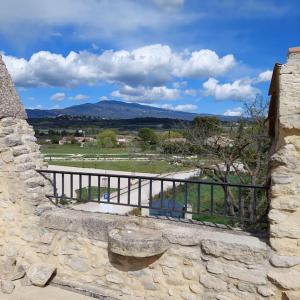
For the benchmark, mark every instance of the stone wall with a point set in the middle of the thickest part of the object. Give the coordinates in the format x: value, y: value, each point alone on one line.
x: 201, y: 262
x: 284, y: 213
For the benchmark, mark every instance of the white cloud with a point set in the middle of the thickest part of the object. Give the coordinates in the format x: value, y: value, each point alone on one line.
x: 151, y: 66
x: 180, y: 107
x: 204, y: 63
x: 264, y: 76
x: 58, y: 97
x: 146, y: 95
x: 79, y: 97
x: 238, y: 90
x: 90, y: 19
x: 235, y: 112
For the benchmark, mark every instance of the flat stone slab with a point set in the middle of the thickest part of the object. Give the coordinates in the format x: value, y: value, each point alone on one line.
x: 136, y: 241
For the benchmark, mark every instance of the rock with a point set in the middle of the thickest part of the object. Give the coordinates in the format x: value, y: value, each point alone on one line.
x: 25, y: 281
x: 196, y: 288
x: 265, y: 291
x: 175, y: 281
x: 137, y: 242
x: 282, y: 261
x: 7, y: 286
x: 40, y: 273
x: 114, y: 278
x: 170, y: 262
x: 252, y: 276
x: 18, y: 273
x: 187, y: 262
x: 281, y: 178
x: 188, y: 296
x: 248, y: 250
x: 156, y: 277
x: 78, y: 264
x: 287, y: 279
x: 149, y: 285
x: 214, y: 267
x: 188, y: 273
x: 212, y: 282
x: 246, y: 287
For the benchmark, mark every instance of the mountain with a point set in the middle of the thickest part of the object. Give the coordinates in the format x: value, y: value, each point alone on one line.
x: 111, y: 109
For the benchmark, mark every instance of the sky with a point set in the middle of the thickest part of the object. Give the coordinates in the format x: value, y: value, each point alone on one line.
x: 186, y: 55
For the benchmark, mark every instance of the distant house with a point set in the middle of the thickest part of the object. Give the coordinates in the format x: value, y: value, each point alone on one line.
x: 71, y: 139
x: 123, y: 140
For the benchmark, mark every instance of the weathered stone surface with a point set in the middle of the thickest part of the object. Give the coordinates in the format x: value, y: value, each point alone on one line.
x: 252, y: 276
x: 212, y: 282
x: 78, y: 264
x: 283, y: 261
x: 188, y: 296
x: 215, y: 267
x: 10, y: 105
x: 188, y: 273
x: 136, y: 242
x: 18, y: 273
x: 265, y: 291
x: 114, y: 278
x: 40, y: 273
x: 287, y: 279
x: 7, y: 286
x: 248, y: 251
x: 25, y: 281
x: 292, y: 295
x: 196, y: 288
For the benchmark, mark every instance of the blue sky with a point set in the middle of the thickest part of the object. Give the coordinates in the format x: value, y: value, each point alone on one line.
x: 187, y: 55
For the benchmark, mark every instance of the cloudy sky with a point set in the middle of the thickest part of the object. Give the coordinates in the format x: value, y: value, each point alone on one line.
x: 187, y: 55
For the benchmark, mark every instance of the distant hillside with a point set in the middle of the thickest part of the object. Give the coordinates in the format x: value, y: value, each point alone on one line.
x: 111, y: 109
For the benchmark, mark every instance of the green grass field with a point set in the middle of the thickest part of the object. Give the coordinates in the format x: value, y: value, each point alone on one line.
x: 61, y: 150
x: 217, y: 206
x: 156, y: 167
x: 93, y: 192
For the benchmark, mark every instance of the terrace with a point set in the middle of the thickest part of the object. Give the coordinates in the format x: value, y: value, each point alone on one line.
x: 100, y: 234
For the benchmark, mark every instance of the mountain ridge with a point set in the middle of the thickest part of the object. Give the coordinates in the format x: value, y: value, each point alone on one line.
x: 112, y: 109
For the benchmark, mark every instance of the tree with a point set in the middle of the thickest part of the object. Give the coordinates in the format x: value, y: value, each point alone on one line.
x: 208, y: 125
x: 148, y: 136
x: 107, y: 139
x: 240, y: 149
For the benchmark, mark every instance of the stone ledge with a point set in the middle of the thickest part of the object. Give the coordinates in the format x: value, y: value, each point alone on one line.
x: 97, y: 225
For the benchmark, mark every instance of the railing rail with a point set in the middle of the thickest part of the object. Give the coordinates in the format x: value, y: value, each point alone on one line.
x: 219, y: 202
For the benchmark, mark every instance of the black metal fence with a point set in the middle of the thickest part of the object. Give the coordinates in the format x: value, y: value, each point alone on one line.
x: 196, y: 199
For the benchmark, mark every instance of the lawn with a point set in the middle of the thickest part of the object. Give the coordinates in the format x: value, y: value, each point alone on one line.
x: 93, y: 193
x: 156, y: 167
x: 212, y: 211
x: 61, y: 150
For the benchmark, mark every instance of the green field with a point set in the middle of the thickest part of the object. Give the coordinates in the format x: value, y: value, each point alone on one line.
x: 61, y: 150
x: 93, y: 193
x: 212, y: 211
x: 156, y: 167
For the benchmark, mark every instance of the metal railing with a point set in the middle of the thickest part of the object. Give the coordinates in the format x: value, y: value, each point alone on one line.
x: 159, y: 196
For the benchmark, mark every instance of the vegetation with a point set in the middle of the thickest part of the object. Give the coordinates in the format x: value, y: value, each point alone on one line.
x: 148, y: 135
x: 156, y: 167
x: 107, y: 139
x: 93, y: 190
